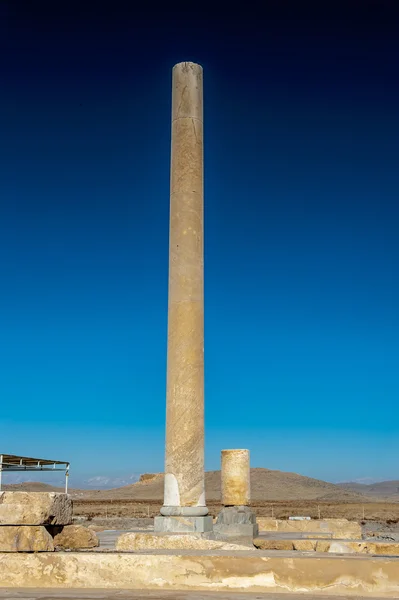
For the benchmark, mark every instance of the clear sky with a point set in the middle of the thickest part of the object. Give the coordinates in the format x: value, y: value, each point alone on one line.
x: 301, y: 234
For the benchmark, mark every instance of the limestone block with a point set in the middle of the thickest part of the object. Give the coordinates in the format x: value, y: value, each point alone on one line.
x: 383, y: 548
x: 267, y: 524
x: 235, y: 478
x: 323, y: 545
x: 345, y: 547
x: 35, y: 508
x: 15, y: 538
x: 266, y: 544
x: 362, y: 547
x: 197, y: 575
x: 338, y: 528
x: 135, y: 541
x: 341, y: 547
x: 73, y: 537
x: 304, y: 545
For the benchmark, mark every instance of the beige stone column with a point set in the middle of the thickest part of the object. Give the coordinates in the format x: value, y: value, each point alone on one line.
x: 184, y: 451
x: 235, y: 478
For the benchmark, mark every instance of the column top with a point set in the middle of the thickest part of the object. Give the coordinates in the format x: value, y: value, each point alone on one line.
x: 187, y: 64
x: 187, y: 90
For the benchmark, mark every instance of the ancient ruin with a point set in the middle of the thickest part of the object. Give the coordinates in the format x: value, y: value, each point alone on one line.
x: 309, y: 556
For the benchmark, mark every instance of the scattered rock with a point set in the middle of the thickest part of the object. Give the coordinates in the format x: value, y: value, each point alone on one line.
x: 75, y: 537
x: 35, y: 508
x: 16, y: 538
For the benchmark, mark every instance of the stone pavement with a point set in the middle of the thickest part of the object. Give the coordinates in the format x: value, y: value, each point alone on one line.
x: 48, y: 594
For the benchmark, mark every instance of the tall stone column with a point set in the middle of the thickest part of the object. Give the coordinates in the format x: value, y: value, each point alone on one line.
x: 184, y: 493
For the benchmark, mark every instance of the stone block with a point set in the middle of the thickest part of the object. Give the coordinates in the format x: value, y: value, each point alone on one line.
x: 137, y: 541
x: 75, y: 537
x: 384, y: 548
x: 236, y: 521
x: 16, y: 538
x: 266, y: 544
x: 196, y: 574
x: 323, y: 545
x: 35, y: 508
x: 304, y: 545
x: 183, y: 524
x: 337, y: 528
x: 236, y: 530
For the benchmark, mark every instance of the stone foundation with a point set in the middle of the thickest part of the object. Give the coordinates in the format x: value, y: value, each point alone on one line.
x: 331, y: 546
x: 254, y: 571
x: 338, y: 528
x: 132, y: 541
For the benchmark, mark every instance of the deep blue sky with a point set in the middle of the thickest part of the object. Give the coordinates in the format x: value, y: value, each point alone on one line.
x: 301, y: 222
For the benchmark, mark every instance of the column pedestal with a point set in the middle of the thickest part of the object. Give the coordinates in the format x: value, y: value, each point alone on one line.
x: 183, y: 524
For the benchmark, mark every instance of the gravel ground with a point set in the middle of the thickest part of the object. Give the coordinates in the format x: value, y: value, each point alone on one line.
x: 384, y: 531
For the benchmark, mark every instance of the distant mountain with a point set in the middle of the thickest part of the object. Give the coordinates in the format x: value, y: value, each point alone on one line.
x: 363, y: 480
x: 381, y: 489
x: 266, y: 485
x: 103, y: 482
x: 56, y: 480
x: 31, y: 486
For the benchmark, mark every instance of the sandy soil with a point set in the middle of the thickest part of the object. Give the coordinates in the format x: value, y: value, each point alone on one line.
x: 368, y: 511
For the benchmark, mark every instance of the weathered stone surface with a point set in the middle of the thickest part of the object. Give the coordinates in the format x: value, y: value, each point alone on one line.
x: 323, y: 545
x: 384, y: 548
x: 266, y: 544
x: 135, y: 541
x: 74, y: 537
x: 345, y: 547
x: 304, y: 545
x: 184, y: 448
x: 183, y: 524
x: 359, y: 547
x: 235, y: 478
x: 338, y: 528
x: 235, y: 521
x: 35, y: 508
x: 349, y: 576
x: 16, y: 538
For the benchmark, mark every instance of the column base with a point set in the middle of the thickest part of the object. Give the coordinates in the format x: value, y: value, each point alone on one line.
x: 183, y: 524
x: 184, y: 511
x: 236, y: 521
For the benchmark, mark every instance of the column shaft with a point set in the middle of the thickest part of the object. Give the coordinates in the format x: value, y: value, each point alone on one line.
x: 184, y: 452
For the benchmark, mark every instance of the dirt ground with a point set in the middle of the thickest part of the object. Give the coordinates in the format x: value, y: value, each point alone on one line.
x: 384, y: 512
